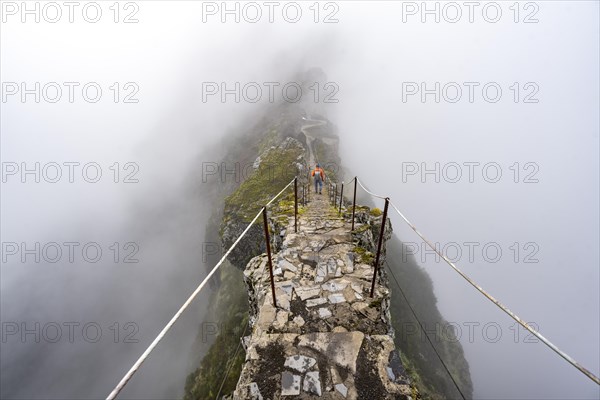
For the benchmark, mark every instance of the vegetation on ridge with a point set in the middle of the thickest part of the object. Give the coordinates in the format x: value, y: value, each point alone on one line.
x: 228, y: 316
x: 418, y: 356
x: 220, y: 368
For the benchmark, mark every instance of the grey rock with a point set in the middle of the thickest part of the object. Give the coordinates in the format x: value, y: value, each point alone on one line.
x: 334, y: 286
x: 340, y: 347
x: 300, y: 363
x: 324, y: 312
x: 331, y: 266
x: 298, y: 320
x: 336, y: 298
x: 286, y: 286
x: 349, y: 263
x: 342, y: 389
x: 255, y: 392
x: 287, y: 266
x: 315, y: 302
x: 308, y: 292
x: 390, y: 374
x: 290, y: 384
x: 256, y: 163
x: 312, y: 383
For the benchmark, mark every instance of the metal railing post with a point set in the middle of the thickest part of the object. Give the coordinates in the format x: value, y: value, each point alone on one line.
x: 341, y: 198
x: 354, y: 202
x: 383, y: 221
x: 296, y: 205
x: 266, y: 224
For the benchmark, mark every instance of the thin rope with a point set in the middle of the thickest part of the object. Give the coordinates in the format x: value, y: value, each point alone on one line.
x: 368, y: 191
x: 185, y: 305
x: 232, y: 361
x: 534, y: 332
x: 158, y: 338
x: 244, y: 333
x: 279, y: 194
x: 425, y: 332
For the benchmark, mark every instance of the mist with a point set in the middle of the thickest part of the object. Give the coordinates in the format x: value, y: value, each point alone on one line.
x: 158, y: 205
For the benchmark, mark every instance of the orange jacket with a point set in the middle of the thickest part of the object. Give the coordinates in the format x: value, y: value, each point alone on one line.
x: 321, y: 171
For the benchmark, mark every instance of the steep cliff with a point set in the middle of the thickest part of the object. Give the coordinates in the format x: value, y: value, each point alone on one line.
x: 277, y: 150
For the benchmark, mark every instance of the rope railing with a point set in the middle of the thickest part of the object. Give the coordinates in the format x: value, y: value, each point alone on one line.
x: 424, y: 331
x: 127, y: 377
x: 501, y: 306
x: 191, y: 298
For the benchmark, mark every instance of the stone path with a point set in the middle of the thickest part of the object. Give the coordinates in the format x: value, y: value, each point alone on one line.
x: 325, y: 337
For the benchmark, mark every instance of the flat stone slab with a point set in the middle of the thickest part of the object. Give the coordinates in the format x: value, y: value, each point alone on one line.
x: 312, y: 383
x: 308, y: 292
x: 286, y: 286
x: 287, y: 266
x: 341, y: 389
x: 255, y: 392
x: 308, y: 345
x: 290, y: 384
x: 335, y: 286
x: 340, y: 347
x: 300, y: 363
x: 324, y: 312
x: 336, y: 298
x: 315, y: 302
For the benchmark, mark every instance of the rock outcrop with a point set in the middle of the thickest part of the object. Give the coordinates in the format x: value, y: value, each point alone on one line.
x: 275, y: 167
x: 325, y: 336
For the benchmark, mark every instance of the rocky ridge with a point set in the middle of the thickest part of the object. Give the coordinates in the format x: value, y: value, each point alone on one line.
x: 325, y: 336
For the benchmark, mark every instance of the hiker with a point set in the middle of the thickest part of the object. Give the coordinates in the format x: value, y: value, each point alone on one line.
x: 319, y: 175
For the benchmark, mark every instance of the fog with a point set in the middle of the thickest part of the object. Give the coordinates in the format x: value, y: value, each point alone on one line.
x: 544, y: 202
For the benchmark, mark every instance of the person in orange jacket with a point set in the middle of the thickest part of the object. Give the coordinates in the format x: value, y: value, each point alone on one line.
x: 319, y: 176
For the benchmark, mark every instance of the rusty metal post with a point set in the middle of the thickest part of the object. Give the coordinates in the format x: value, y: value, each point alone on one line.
x: 383, y: 221
x: 266, y: 224
x: 354, y: 202
x: 341, y: 198
x: 296, y: 205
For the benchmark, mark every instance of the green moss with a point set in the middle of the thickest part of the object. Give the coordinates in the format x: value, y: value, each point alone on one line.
x: 365, y: 255
x: 286, y: 207
x: 361, y: 228
x: 418, y: 389
x: 375, y: 303
x: 282, y: 220
x: 376, y: 212
x: 275, y: 171
x: 229, y: 310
